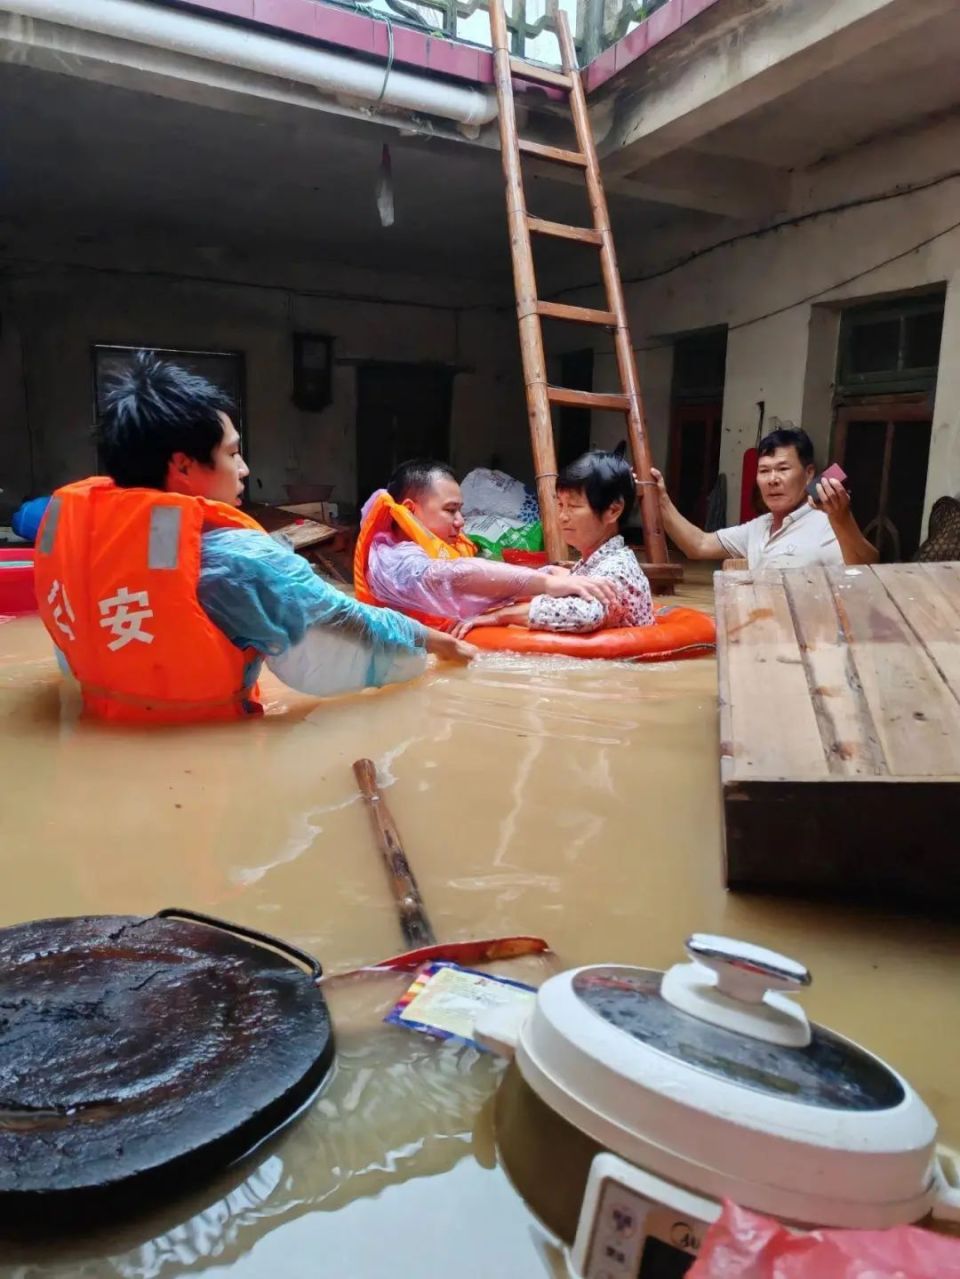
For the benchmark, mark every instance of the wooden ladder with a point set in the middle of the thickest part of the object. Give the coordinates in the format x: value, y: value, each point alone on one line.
x: 531, y: 310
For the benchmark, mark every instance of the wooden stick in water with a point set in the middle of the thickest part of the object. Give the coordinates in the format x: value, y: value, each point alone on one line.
x: 413, y: 915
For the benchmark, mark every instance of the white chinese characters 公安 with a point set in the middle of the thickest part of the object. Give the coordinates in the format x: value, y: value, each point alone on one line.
x: 125, y: 622
x: 63, y: 614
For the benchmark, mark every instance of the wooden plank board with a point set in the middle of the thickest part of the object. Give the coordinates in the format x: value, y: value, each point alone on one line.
x: 575, y: 159
x: 840, y: 732
x: 587, y: 399
x: 917, y: 717
x: 576, y: 314
x: 928, y: 596
x: 538, y: 75
x: 850, y: 738
x: 564, y: 231
x: 304, y: 533
x: 873, y: 841
x: 724, y: 705
x: 772, y: 731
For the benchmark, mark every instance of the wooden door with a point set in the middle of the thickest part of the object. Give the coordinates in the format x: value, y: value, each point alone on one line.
x: 694, y: 457
x: 884, y: 447
x: 403, y: 412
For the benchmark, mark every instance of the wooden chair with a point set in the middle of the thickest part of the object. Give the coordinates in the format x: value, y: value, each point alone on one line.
x: 734, y: 566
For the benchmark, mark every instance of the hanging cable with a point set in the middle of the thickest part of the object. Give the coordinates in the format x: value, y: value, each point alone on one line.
x: 758, y: 233
x: 369, y: 11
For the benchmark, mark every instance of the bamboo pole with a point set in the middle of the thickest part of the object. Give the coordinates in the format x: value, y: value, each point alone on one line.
x: 413, y: 914
x: 525, y: 284
x: 653, y: 534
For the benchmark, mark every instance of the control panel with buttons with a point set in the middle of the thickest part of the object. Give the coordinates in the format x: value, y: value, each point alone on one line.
x: 634, y: 1225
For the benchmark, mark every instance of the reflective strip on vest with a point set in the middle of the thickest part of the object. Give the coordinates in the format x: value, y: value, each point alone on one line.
x: 163, y: 548
x: 49, y: 534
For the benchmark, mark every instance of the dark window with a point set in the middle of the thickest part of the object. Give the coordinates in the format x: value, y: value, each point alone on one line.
x: 890, y: 346
x: 699, y: 366
x: 922, y: 333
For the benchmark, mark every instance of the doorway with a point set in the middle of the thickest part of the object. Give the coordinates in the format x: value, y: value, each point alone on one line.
x: 883, y: 415
x: 403, y: 412
x: 696, y: 411
x: 884, y: 448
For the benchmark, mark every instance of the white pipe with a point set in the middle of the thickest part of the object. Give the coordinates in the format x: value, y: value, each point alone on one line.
x: 196, y: 37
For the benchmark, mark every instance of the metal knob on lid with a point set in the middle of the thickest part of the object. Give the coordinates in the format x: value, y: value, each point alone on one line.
x: 740, y: 987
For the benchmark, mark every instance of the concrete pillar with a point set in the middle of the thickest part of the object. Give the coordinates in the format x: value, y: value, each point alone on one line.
x: 943, y: 473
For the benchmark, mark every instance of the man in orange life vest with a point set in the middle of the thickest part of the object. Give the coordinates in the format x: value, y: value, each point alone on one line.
x: 412, y: 555
x: 163, y: 598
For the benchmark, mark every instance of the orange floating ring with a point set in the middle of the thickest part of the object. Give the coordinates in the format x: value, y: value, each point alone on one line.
x: 677, y: 632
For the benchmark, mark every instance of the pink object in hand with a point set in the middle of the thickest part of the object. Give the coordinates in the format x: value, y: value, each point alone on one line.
x: 835, y: 472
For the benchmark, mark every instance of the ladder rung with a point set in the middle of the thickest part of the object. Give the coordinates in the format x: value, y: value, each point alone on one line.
x: 586, y: 235
x: 579, y: 314
x: 521, y: 70
x: 543, y: 152
x: 587, y: 399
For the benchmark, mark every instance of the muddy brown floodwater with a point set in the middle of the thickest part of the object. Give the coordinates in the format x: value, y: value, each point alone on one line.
x: 578, y: 801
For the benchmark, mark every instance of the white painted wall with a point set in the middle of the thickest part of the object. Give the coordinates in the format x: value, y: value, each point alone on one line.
x: 788, y: 360
x: 944, y: 472
x: 56, y: 316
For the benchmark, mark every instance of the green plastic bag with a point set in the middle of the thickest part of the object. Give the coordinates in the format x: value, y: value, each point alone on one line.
x: 527, y: 538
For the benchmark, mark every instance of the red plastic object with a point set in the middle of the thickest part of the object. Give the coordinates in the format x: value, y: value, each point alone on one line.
x: 525, y: 559
x: 748, y: 482
x: 459, y: 952
x: 467, y: 952
x: 743, y: 1245
x: 17, y: 594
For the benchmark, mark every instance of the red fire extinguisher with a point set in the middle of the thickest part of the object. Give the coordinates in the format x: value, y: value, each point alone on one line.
x: 748, y: 478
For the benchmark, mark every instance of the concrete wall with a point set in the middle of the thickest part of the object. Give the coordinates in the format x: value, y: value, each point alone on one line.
x: 778, y: 291
x: 791, y: 276
x: 52, y: 318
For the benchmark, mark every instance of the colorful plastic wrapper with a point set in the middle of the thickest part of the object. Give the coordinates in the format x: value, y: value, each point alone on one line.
x: 445, y: 1000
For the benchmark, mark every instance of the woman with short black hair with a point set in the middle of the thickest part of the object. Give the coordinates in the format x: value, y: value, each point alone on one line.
x: 596, y: 495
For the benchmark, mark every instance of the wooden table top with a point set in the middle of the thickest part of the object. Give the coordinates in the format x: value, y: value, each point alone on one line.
x: 833, y: 673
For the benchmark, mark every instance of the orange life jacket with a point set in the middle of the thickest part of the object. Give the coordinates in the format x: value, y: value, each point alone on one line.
x: 383, y: 514
x: 116, y: 576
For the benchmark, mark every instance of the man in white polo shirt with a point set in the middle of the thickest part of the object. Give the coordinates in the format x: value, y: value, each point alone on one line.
x: 795, y: 532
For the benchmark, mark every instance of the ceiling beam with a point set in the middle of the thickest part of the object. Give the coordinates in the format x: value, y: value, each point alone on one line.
x: 142, y: 68
x: 751, y: 54
x: 725, y: 185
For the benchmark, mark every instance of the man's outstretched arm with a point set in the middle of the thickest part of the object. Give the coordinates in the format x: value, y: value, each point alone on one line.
x: 692, y: 541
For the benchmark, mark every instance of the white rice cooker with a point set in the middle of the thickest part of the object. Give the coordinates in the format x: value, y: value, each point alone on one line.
x: 638, y: 1100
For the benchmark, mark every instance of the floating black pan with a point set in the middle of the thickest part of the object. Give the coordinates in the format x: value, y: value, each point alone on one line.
x: 138, y: 1055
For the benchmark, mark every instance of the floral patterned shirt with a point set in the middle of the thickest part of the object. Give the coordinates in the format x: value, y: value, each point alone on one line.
x: 615, y: 561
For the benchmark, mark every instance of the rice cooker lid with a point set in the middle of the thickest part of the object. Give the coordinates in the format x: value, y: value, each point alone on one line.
x: 711, y: 1076
x: 782, y: 1056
